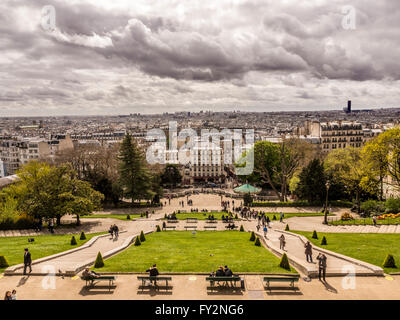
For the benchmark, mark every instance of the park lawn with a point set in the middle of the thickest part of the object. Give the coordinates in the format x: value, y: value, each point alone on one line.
x: 368, y: 247
x: 367, y: 221
x: 294, y: 214
x: 13, y: 247
x: 201, y: 215
x: 204, y: 251
x: 113, y: 216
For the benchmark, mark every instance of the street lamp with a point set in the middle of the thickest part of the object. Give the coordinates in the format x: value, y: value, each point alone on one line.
x: 327, y: 185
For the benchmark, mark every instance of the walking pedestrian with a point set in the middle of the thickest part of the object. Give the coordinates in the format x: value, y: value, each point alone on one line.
x: 27, y: 261
x: 374, y: 220
x: 282, y: 242
x: 111, y: 231
x: 321, y: 266
x: 308, y: 251
x: 281, y: 217
x: 265, y: 232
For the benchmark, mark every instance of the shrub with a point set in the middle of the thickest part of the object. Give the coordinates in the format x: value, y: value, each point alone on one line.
x: 284, y: 262
x: 83, y: 236
x: 128, y: 217
x: 137, y: 242
x: 287, y: 228
x: 389, y: 262
x: 252, y: 236
x: 346, y: 217
x: 323, y: 241
x: 247, y: 200
x: 314, y: 235
x: 372, y: 206
x: 241, y: 228
x: 158, y: 229
x: 257, y: 242
x: 392, y: 205
x: 73, y: 241
x: 142, y: 237
x: 99, y: 263
x: 236, y: 216
x: 274, y: 217
x: 3, y: 262
x: 165, y: 216
x: 301, y: 203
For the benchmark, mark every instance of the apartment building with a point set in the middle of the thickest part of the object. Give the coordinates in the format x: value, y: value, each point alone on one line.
x: 16, y: 152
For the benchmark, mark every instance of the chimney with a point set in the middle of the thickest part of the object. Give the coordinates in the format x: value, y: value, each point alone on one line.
x: 349, y: 106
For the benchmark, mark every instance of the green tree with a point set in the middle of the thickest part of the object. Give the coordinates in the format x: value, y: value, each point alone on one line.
x: 171, y: 175
x: 134, y: 176
x: 346, y: 165
x: 311, y: 186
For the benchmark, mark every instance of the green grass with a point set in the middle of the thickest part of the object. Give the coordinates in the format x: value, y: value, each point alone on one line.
x: 113, y: 216
x: 368, y: 247
x: 45, y: 245
x: 201, y: 215
x: 366, y: 221
x: 294, y: 214
x: 181, y: 251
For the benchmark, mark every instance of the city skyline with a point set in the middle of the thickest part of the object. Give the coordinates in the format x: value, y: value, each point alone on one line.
x: 109, y: 58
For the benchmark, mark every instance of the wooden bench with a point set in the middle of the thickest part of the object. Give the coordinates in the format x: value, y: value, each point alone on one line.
x: 91, y: 280
x: 291, y: 279
x: 211, y: 221
x: 155, y: 279
x: 172, y: 221
x: 210, y: 227
x: 234, y: 279
x: 170, y: 227
x: 191, y: 227
x: 191, y: 220
x: 229, y: 221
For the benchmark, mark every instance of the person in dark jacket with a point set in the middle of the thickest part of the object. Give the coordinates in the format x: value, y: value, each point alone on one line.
x: 153, y: 272
x: 228, y: 272
x: 27, y: 261
x: 321, y: 265
x: 220, y: 272
x: 308, y: 251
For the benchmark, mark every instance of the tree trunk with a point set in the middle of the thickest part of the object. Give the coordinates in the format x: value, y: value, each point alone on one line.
x: 78, y: 220
x: 58, y: 220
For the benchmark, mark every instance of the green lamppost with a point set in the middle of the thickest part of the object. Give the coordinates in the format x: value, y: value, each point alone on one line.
x: 327, y: 185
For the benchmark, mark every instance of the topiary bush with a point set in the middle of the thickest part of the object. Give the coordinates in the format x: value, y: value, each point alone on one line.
x: 389, y: 262
x: 284, y: 262
x: 158, y: 229
x: 128, y: 217
x: 273, y: 217
x: 323, y: 241
x: 314, y: 235
x: 142, y: 238
x: 236, y: 216
x: 83, y: 236
x: 287, y: 228
x: 3, y: 262
x: 257, y: 242
x: 73, y: 241
x: 252, y: 236
x: 99, y: 263
x: 241, y: 228
x: 137, y: 242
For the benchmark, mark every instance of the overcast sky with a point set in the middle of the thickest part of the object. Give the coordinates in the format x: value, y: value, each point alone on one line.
x: 126, y: 56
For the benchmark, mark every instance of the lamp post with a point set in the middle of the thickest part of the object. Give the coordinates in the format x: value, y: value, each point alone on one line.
x: 327, y: 185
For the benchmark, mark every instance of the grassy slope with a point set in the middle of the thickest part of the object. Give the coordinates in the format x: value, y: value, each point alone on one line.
x: 181, y: 251
x: 46, y: 245
x: 368, y: 247
x: 113, y: 216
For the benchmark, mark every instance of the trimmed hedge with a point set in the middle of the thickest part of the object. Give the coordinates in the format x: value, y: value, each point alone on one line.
x: 257, y: 242
x: 83, y: 236
x: 142, y: 237
x: 314, y: 235
x: 389, y: 262
x: 128, y: 217
x: 137, y: 242
x: 158, y: 229
x: 17, y: 224
x: 323, y: 241
x: 3, y: 262
x: 99, y: 263
x: 344, y: 204
x: 252, y: 236
x: 73, y: 241
x: 241, y: 228
x: 287, y: 228
x: 284, y: 262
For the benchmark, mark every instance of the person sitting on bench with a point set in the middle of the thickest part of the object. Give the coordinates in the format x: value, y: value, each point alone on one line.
x: 228, y: 272
x: 153, y: 272
x: 90, y: 274
x: 220, y: 272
